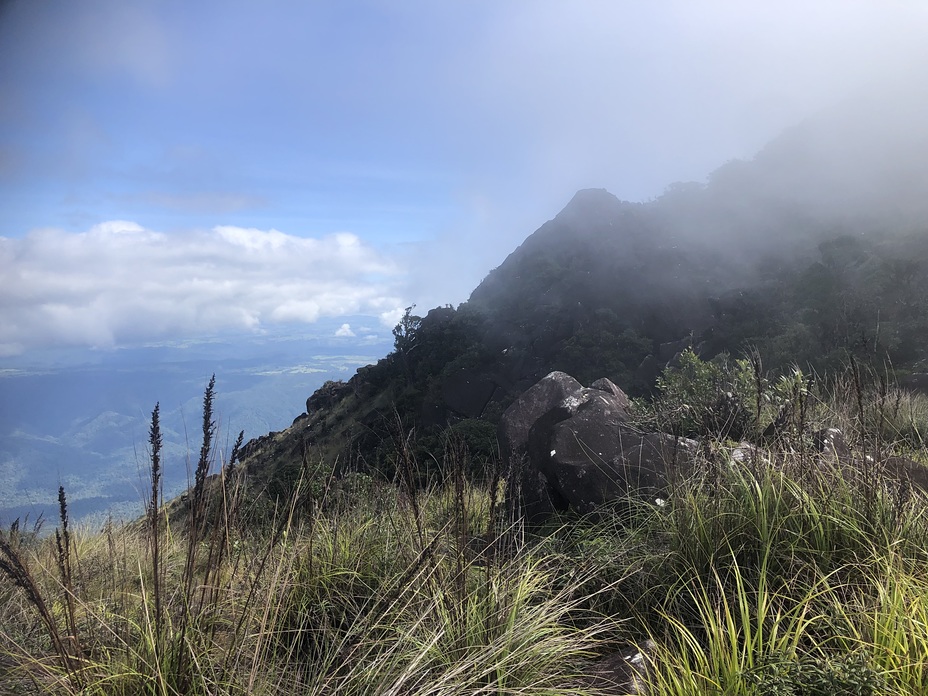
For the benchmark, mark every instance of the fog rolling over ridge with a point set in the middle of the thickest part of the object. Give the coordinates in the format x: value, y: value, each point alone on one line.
x: 859, y: 162
x: 575, y: 347
x: 858, y: 169
x: 434, y: 138
x: 811, y: 254
x: 173, y: 205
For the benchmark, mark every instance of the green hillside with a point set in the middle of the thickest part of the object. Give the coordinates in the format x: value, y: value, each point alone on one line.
x: 810, y: 254
x: 771, y: 323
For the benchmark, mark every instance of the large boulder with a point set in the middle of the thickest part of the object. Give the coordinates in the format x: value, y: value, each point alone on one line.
x: 548, y: 395
x: 539, y: 409
x: 570, y: 447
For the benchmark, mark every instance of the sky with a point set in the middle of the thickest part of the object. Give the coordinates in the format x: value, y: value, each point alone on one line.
x: 169, y: 170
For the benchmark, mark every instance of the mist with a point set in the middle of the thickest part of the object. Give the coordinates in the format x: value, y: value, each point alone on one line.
x: 438, y: 136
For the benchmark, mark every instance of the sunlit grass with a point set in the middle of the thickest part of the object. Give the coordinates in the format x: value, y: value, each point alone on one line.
x: 785, y: 576
x: 346, y: 601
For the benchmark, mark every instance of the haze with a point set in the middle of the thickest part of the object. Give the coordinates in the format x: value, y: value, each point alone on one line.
x: 170, y: 170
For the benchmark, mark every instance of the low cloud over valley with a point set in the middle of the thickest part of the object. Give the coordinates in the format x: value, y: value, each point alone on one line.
x: 120, y: 283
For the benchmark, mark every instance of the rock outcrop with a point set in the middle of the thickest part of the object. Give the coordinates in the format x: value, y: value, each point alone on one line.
x: 326, y: 396
x: 571, y: 447
x: 835, y: 450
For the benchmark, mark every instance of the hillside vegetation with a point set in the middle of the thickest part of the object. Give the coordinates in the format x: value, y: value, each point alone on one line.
x: 776, y: 575
x: 776, y: 315
x: 813, y: 252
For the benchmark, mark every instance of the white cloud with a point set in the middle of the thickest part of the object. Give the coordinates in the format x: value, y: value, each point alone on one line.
x: 119, y: 283
x: 392, y: 317
x: 344, y: 330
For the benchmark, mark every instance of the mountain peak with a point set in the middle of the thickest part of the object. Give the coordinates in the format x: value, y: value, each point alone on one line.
x: 588, y: 196
x: 596, y: 202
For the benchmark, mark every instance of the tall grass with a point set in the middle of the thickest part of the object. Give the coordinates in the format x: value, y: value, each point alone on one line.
x: 787, y: 575
x: 776, y: 583
x: 353, y: 586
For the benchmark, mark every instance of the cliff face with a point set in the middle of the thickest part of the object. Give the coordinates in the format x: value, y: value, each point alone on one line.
x: 814, y: 249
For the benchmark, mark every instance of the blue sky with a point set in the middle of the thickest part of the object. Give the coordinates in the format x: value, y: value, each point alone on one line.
x: 174, y: 169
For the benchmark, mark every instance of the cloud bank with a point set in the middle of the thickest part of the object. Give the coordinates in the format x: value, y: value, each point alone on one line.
x: 120, y: 283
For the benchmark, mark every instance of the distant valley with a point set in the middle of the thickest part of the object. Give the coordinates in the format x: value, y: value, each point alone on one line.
x: 80, y: 418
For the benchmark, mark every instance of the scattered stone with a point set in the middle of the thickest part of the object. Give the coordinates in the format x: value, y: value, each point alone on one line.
x: 831, y: 443
x: 623, y: 672
x: 746, y: 454
x: 326, y: 396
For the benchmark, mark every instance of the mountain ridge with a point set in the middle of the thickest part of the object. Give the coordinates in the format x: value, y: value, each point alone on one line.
x: 764, y: 256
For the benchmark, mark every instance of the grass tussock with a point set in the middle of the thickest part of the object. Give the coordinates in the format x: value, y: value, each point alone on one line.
x: 347, y: 587
x: 780, y: 575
